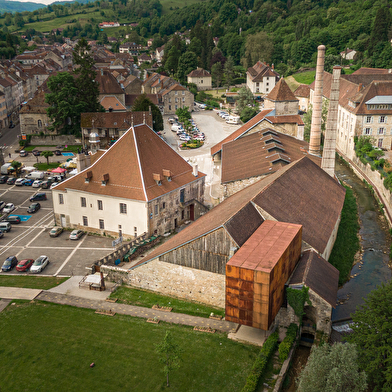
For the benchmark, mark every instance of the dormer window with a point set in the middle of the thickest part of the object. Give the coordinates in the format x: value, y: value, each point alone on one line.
x: 89, y: 176
x: 105, y: 179
x: 157, y: 178
x: 167, y: 173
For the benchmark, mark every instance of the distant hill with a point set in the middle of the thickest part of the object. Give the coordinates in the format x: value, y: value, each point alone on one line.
x: 18, y: 6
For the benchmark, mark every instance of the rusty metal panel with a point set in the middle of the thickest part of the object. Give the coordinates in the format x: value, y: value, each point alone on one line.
x: 246, y: 274
x: 232, y: 271
x: 232, y: 291
x: 233, y: 283
x: 247, y: 286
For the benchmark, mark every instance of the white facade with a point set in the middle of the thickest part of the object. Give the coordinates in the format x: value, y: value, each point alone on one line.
x: 263, y: 87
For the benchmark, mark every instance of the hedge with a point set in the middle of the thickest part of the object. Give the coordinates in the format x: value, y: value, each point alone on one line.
x: 260, y: 363
x: 287, y: 343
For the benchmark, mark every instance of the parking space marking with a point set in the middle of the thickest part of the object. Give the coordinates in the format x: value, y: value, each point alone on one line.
x: 69, y: 257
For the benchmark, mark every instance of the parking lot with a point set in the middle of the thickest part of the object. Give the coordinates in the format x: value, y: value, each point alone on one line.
x: 30, y: 239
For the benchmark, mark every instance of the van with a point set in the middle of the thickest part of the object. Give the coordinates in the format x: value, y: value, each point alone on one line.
x: 5, y: 168
x: 5, y: 226
x: 35, y: 175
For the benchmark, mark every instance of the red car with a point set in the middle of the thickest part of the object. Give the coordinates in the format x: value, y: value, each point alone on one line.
x: 24, y: 265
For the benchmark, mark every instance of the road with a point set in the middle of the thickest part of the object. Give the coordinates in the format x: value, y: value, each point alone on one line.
x: 9, y: 138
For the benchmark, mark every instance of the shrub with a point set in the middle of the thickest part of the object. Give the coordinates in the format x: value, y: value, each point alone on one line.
x: 260, y: 363
x: 287, y: 343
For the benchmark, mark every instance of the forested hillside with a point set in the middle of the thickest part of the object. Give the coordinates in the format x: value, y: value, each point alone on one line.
x: 285, y: 33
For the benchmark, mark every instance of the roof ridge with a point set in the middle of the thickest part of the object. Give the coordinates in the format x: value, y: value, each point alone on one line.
x: 139, y: 163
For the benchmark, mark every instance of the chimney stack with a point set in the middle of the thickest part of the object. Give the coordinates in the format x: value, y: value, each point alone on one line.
x: 328, y: 161
x: 315, y: 130
x: 195, y: 171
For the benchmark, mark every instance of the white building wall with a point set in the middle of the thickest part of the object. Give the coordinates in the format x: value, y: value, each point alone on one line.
x: 73, y: 212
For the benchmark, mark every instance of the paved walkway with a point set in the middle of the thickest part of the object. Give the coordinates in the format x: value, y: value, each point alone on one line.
x: 18, y: 293
x: 137, y: 311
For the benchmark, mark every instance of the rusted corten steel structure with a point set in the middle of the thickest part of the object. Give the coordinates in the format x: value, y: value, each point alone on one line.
x: 257, y: 273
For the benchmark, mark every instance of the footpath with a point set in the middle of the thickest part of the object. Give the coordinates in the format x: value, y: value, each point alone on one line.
x: 9, y: 293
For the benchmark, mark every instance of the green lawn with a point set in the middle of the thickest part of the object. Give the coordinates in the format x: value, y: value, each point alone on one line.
x: 45, y: 166
x: 305, y: 77
x: 31, y: 148
x: 56, y: 344
x: 347, y: 242
x: 148, y: 299
x: 31, y: 282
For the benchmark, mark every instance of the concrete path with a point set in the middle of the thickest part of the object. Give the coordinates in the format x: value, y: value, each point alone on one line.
x: 136, y: 311
x: 4, y: 303
x: 18, y: 293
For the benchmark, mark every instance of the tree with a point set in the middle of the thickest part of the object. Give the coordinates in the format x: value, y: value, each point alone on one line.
x: 228, y: 13
x: 217, y: 73
x: 245, y: 98
x: 247, y: 113
x: 143, y: 104
x: 88, y: 87
x: 186, y: 64
x: 372, y: 334
x: 258, y: 47
x: 47, y: 154
x: 16, y: 165
x: 169, y: 355
x: 229, y: 71
x: 18, y: 20
x: 65, y: 105
x: 332, y: 369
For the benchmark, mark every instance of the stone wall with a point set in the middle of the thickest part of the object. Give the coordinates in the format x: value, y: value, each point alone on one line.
x: 173, y: 280
x: 320, y: 312
x: 52, y: 140
x: 233, y: 187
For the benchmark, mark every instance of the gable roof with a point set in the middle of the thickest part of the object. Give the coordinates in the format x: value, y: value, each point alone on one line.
x: 131, y: 163
x: 300, y: 193
x: 199, y: 73
x: 112, y: 102
x: 302, y: 91
x: 108, y: 83
x: 281, y: 92
x: 120, y: 120
x: 255, y: 154
x: 259, y: 71
x: 315, y: 272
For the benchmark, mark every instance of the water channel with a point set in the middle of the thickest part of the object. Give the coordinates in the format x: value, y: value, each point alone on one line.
x: 373, y: 269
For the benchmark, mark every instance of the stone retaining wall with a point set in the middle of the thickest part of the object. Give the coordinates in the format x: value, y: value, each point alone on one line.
x: 52, y: 140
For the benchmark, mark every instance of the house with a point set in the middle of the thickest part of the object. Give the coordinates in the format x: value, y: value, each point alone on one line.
x: 348, y: 54
x: 302, y: 93
x: 109, y: 86
x: 201, y: 78
x: 261, y: 229
x: 111, y: 126
x: 3, y: 111
x: 140, y: 186
x: 159, y: 52
x: 143, y: 58
x: 261, y: 78
x: 130, y: 47
x: 132, y: 85
x: 104, y: 25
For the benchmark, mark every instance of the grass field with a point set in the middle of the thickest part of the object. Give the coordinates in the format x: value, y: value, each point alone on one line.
x: 305, y: 77
x: 31, y: 282
x: 137, y: 297
x: 347, y: 242
x: 56, y: 344
x: 45, y: 166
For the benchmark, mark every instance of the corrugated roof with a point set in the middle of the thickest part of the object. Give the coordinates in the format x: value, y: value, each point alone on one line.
x: 316, y: 273
x: 131, y: 163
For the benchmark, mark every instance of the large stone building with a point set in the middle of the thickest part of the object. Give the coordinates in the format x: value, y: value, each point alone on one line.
x: 140, y: 186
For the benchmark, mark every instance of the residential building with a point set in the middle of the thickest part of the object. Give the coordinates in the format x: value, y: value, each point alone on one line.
x: 261, y: 78
x: 201, y: 78
x: 140, y: 186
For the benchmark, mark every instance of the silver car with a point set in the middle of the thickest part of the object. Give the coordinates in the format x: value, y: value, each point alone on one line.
x: 39, y: 264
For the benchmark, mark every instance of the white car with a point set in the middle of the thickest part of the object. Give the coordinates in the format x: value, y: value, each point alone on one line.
x: 20, y: 181
x: 37, y: 183
x: 39, y: 264
x: 53, y: 185
x: 8, y: 208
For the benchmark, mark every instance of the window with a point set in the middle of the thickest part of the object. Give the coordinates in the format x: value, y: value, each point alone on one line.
x: 201, y: 81
x: 368, y: 131
x: 101, y: 224
x: 266, y: 89
x: 83, y: 201
x: 176, y: 100
x: 183, y: 93
x: 380, y: 143
x: 176, y: 107
x: 382, y: 119
x: 257, y: 84
x: 381, y: 131
x: 85, y: 221
x: 176, y: 92
x: 163, y: 205
x: 123, y: 208
x: 100, y: 205
x: 182, y: 195
x: 183, y: 100
x: 267, y: 84
x: 61, y: 199
x: 169, y: 107
x: 156, y: 209
x: 39, y: 123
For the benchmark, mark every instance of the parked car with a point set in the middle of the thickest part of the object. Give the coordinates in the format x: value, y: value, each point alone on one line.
x: 28, y: 182
x: 56, y: 231
x: 53, y: 185
x: 9, y: 207
x: 38, y: 197
x: 57, y: 152
x: 9, y: 263
x: 76, y: 234
x: 39, y: 264
x: 1, y: 234
x: 45, y: 184
x: 34, y: 208
x: 24, y: 265
x: 3, y: 179
x: 185, y: 137
x: 14, y: 219
x: 2, y: 205
x: 20, y: 182
x: 11, y: 180
x: 37, y: 183
x: 36, y: 153
x: 23, y: 153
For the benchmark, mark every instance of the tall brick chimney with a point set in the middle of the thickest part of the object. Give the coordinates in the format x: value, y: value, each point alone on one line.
x: 315, y: 130
x: 328, y: 161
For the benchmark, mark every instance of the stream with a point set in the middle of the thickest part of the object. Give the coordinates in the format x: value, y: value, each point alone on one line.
x: 373, y: 269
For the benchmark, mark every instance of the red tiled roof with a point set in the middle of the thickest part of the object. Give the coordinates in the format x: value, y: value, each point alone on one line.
x: 199, y: 73
x: 112, y: 103
x: 132, y: 178
x: 281, y: 92
x: 302, y: 91
x: 120, y: 120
